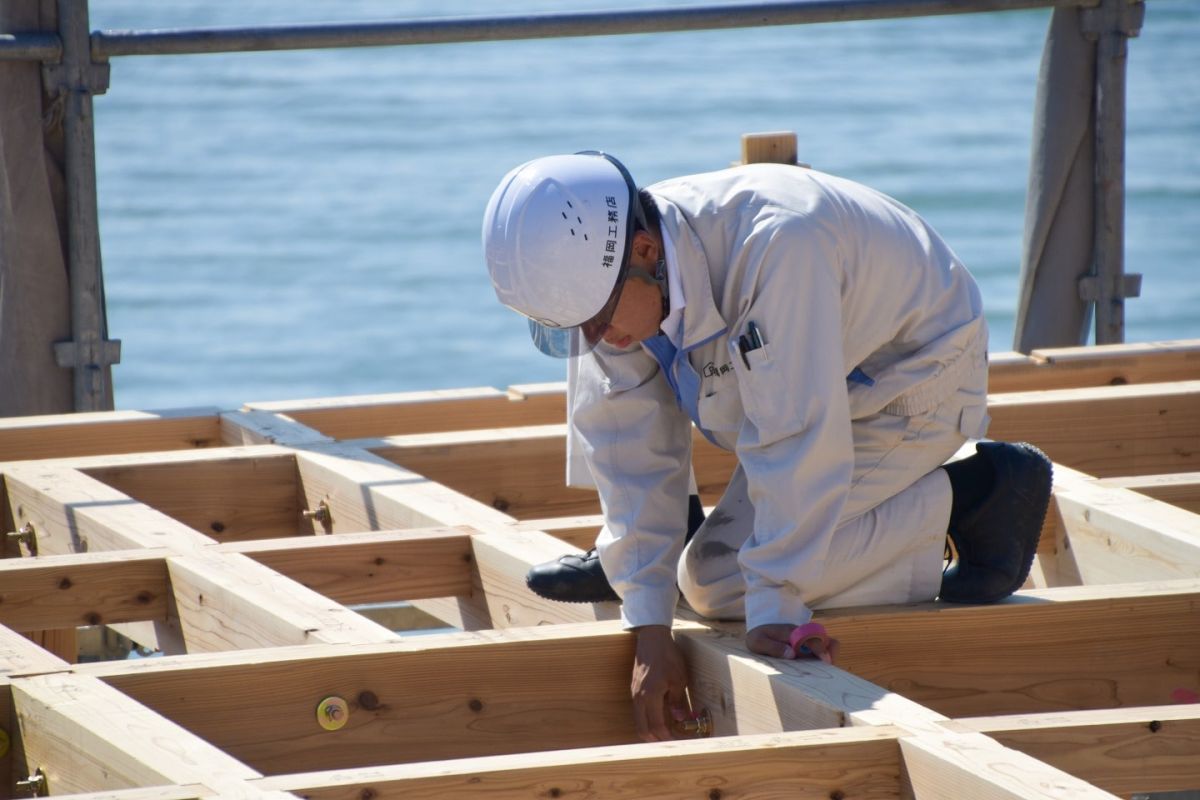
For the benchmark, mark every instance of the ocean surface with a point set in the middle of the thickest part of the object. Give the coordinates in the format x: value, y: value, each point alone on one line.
x: 306, y: 224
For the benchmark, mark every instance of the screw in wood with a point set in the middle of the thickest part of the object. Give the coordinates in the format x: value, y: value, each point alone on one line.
x: 319, y: 514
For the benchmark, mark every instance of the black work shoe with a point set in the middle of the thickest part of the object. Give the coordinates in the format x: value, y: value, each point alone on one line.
x: 997, y: 540
x: 572, y: 579
x: 581, y: 579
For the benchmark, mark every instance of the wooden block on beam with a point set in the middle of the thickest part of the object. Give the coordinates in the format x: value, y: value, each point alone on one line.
x: 776, y: 147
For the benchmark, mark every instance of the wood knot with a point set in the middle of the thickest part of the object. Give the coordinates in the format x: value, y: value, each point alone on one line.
x: 837, y: 794
x: 368, y: 700
x: 367, y: 794
x: 1155, y: 726
x: 144, y: 598
x: 217, y: 526
x: 475, y: 705
x: 65, y: 583
x: 500, y: 504
x: 714, y: 794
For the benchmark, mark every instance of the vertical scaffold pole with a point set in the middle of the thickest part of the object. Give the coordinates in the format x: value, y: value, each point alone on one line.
x: 76, y: 80
x: 1110, y: 25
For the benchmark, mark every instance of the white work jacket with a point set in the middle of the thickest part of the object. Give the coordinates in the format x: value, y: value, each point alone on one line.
x: 840, y: 281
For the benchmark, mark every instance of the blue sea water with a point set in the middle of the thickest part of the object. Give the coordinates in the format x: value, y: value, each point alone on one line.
x: 306, y: 224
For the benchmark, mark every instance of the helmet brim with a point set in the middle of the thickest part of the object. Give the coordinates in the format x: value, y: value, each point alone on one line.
x: 583, y: 338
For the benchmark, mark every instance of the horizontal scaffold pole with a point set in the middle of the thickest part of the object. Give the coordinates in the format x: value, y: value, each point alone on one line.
x: 450, y: 30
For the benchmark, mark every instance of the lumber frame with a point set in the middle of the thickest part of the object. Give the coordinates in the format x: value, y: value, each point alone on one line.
x: 446, y: 485
x: 811, y: 765
x: 1123, y: 751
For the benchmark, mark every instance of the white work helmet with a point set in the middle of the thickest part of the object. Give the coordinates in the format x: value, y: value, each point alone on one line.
x: 556, y: 237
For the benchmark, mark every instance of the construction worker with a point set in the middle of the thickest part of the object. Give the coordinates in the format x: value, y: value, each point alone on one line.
x: 817, y: 328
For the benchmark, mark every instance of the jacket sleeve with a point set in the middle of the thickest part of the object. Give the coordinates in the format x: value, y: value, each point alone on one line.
x: 795, y: 444
x: 637, y: 442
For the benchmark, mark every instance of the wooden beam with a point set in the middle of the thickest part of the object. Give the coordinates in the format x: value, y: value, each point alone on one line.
x: 502, y: 560
x: 375, y: 567
x: 749, y: 694
x: 519, y: 471
x: 814, y: 765
x: 1115, y: 430
x: 19, y: 656
x: 418, y: 412
x: 250, y: 427
x: 1103, y: 365
x: 579, y: 530
x: 1124, y: 751
x: 1180, y: 489
x: 228, y: 601
x: 1118, y: 535
x: 957, y: 766
x: 1041, y: 651
x: 227, y: 498
x: 192, y: 791
x: 87, y: 737
x: 73, y: 512
x: 429, y: 697
x: 98, y: 433
x: 87, y: 589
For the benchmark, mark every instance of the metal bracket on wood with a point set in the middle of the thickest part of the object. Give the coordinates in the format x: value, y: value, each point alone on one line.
x: 99, y: 353
x: 1129, y: 286
x: 92, y: 78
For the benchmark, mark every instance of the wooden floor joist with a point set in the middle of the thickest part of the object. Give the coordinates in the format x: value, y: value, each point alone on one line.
x: 238, y: 539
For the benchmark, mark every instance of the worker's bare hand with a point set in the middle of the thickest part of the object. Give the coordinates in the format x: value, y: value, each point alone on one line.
x: 660, y: 683
x: 773, y: 640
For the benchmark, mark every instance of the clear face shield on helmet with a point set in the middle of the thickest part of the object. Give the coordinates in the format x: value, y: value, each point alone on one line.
x: 580, y: 339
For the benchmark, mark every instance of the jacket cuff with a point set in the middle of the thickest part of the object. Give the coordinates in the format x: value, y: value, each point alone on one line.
x: 770, y: 605
x: 649, y: 606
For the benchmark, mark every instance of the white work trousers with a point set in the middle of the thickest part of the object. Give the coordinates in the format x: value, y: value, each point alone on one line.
x: 888, y: 547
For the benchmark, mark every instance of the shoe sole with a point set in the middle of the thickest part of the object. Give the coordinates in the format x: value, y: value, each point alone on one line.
x: 1028, y: 518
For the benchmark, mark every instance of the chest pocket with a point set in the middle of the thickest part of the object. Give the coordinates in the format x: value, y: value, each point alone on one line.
x: 719, y: 406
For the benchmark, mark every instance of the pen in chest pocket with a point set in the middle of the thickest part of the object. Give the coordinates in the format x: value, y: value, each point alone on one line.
x: 750, y: 340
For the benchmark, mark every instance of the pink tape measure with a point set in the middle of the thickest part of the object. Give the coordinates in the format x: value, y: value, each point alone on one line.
x: 802, y: 634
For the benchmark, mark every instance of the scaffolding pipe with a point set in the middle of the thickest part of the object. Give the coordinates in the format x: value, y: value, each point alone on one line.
x: 1111, y: 25
x: 89, y: 353
x: 449, y: 30
x: 30, y: 47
